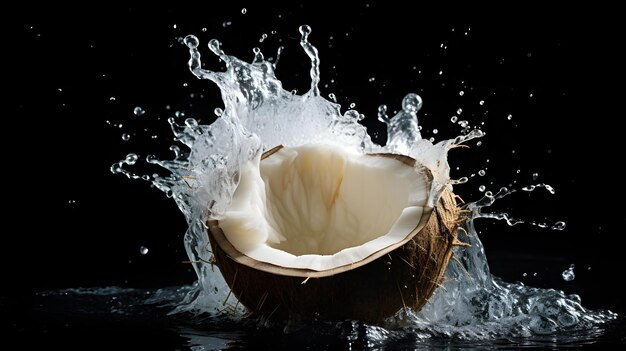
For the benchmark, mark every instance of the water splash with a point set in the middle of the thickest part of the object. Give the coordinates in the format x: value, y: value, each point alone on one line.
x: 259, y: 114
x: 489, y: 199
x: 568, y: 274
x: 474, y: 304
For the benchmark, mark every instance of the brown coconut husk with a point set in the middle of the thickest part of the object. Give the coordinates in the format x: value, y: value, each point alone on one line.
x: 405, y: 274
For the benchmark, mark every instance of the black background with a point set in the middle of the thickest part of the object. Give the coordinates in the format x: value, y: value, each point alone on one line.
x: 71, y: 223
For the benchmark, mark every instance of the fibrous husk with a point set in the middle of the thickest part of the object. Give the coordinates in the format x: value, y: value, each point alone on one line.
x: 402, y: 275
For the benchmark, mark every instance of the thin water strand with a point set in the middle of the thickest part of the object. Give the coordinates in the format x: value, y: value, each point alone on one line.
x: 312, y: 52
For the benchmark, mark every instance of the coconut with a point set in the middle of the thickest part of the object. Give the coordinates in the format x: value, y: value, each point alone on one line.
x: 322, y: 232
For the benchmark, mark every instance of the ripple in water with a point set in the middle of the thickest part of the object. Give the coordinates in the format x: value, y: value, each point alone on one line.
x: 258, y: 114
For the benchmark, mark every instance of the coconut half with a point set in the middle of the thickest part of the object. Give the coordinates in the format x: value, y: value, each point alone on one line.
x: 358, y: 224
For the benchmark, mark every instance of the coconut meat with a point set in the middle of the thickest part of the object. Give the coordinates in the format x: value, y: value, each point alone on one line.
x: 320, y: 207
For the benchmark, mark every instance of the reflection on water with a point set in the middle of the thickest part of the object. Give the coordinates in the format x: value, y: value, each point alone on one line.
x: 112, y: 316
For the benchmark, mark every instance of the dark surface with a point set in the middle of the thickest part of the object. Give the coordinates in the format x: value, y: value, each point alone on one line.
x: 63, y: 69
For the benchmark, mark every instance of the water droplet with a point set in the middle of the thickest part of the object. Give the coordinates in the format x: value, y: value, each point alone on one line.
x: 524, y: 274
x: 509, y: 117
x: 461, y: 93
x: 481, y: 102
x: 568, y: 274
x: 488, y: 193
x: 459, y: 111
x: 143, y: 250
x: 112, y: 98
x: 479, y: 143
x: 440, y: 72
x: 560, y: 225
x: 131, y: 159
x: 464, y: 123
x: 453, y: 119
x: 305, y: 30
x: 218, y: 112
x: 204, y: 29
x: 138, y: 111
x: 482, y: 188
x: 125, y: 136
x: 372, y: 79
x: 412, y: 103
x: 435, y: 131
x: 481, y: 173
x: 535, y: 176
x: 352, y: 105
x: 226, y: 23
x: 214, y: 46
x: 382, y: 113
x: 263, y: 37
x: 191, y: 41
x: 244, y: 11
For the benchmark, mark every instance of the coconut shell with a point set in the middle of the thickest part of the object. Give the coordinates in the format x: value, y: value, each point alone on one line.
x: 402, y: 275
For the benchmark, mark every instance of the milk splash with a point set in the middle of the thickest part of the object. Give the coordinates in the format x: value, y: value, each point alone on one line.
x: 259, y: 114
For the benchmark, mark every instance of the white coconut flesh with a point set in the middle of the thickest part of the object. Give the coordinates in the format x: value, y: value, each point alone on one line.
x: 320, y: 207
